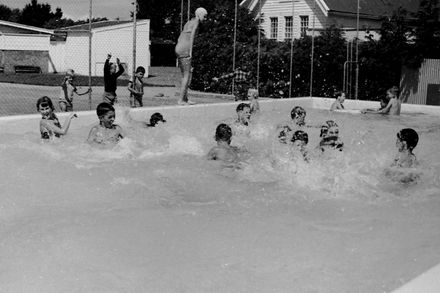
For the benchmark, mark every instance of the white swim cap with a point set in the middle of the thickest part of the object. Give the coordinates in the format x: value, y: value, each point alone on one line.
x: 201, y: 13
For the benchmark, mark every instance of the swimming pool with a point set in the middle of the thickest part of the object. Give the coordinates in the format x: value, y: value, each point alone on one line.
x: 152, y: 215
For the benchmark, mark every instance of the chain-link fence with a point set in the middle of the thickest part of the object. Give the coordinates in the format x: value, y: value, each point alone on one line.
x: 34, y: 61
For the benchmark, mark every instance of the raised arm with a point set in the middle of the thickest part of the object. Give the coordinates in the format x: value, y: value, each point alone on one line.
x: 120, y: 68
x: 56, y: 129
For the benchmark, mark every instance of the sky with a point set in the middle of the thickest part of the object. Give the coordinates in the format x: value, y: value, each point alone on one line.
x: 79, y: 9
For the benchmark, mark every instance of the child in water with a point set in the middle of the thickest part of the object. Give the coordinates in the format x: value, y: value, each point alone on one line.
x: 407, y: 140
x: 339, y: 103
x: 223, y: 151
x: 106, y: 132
x: 299, y: 140
x: 285, y: 130
x: 330, y: 136
x: 50, y: 126
x: 253, y: 98
x: 401, y: 170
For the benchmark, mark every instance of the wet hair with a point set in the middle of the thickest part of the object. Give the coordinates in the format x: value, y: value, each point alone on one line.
x: 156, y: 118
x: 409, y: 136
x: 282, y: 135
x: 201, y: 12
x: 300, y: 135
x: 45, y: 100
x: 296, y: 111
x: 325, y: 127
x: 140, y: 69
x: 103, y: 109
x: 241, y: 106
x: 223, y: 132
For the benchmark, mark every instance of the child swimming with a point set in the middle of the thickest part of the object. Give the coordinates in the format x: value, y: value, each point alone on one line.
x: 106, y: 132
x: 330, y: 136
x: 223, y: 151
x: 299, y: 140
x: 252, y: 95
x: 284, y: 130
x: 407, y: 140
x: 402, y: 169
x: 155, y: 119
x: 338, y: 104
x: 50, y: 126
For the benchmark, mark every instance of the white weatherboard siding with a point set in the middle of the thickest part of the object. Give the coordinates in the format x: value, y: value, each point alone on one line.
x: 283, y: 8
x: 117, y: 40
x: 120, y: 43
x: 24, y: 42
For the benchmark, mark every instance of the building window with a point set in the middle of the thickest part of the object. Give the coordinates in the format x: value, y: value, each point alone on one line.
x: 304, y: 24
x: 274, y: 27
x: 289, y: 27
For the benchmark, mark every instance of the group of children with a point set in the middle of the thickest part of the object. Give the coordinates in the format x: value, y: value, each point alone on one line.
x: 111, y: 73
x: 106, y: 132
x: 290, y: 133
x: 293, y: 133
x: 389, y: 104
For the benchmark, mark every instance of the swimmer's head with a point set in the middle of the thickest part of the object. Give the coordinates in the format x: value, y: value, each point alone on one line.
x: 201, y: 13
x: 340, y: 95
x: 244, y: 113
x: 252, y: 94
x: 156, y: 118
x: 409, y: 136
x: 329, y: 130
x: 284, y: 134
x: 103, y: 109
x: 298, y: 114
x: 393, y: 92
x: 44, y: 104
x: 223, y: 133
x: 300, y: 136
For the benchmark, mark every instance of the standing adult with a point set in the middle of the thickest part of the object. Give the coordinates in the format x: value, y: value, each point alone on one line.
x: 184, y: 52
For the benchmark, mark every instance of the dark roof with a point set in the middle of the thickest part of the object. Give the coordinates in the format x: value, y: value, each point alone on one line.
x: 98, y: 24
x: 372, y: 7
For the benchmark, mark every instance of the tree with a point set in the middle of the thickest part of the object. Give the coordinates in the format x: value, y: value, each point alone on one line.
x: 38, y: 15
x: 9, y: 14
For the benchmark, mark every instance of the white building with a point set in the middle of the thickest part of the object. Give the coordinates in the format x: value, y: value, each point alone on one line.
x: 69, y: 47
x: 23, y: 45
x: 282, y: 19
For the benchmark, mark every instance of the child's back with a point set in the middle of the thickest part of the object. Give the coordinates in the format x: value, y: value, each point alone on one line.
x: 223, y: 151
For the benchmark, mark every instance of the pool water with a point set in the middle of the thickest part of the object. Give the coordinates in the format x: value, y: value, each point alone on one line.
x: 153, y: 215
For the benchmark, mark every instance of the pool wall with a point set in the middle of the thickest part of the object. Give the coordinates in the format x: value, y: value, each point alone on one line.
x: 428, y: 282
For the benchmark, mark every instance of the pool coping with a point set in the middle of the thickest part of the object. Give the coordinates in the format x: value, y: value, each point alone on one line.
x: 352, y: 106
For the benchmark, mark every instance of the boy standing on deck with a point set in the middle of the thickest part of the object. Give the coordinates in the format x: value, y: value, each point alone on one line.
x: 111, y: 73
x: 136, y: 88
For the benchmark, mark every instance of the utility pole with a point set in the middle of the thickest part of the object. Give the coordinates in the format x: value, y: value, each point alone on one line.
x: 90, y: 55
x: 134, y: 36
x: 356, y: 89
